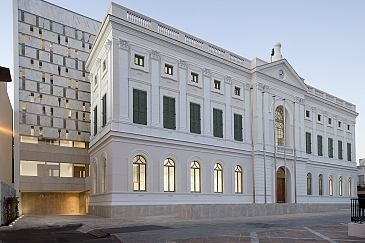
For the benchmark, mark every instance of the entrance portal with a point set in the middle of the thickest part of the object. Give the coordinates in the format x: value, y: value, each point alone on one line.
x: 280, y: 185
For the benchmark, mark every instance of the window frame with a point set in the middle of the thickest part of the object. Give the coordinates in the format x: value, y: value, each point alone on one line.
x: 169, y: 69
x: 195, y: 118
x: 320, y: 185
x: 169, y: 114
x: 137, y: 60
x: 340, y: 149
x: 330, y: 148
x: 308, y: 143
x: 238, y: 179
x: 217, y: 123
x: 309, y: 184
x: 167, y: 181
x: 95, y: 116
x: 218, y: 178
x: 349, y: 151
x: 137, y: 164
x: 104, y: 110
x: 193, y: 76
x: 320, y: 145
x: 139, y: 110
x: 237, y: 127
x: 195, y: 177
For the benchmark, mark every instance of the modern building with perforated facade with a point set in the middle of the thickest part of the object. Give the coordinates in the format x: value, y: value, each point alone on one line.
x: 52, y: 107
x: 179, y: 122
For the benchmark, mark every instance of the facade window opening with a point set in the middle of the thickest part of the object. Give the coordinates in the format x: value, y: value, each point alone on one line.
x: 238, y: 179
x: 319, y: 117
x: 83, y: 106
x: 23, y: 39
x: 37, y: 54
x: 104, y: 65
x: 43, y: 45
x: 339, y: 124
x: 79, y: 136
x: 66, y: 41
x: 103, y: 176
x: 331, y: 185
x: 43, y: 110
x: 218, y: 178
x: 31, y: 97
x: 307, y: 114
x: 83, y: 46
x: 66, y: 134
x: 217, y: 84
x: 340, y: 184
x: 32, y: 131
x: 309, y: 184
x: 76, y: 84
x: 51, y: 47
x: 59, y: 102
x: 169, y: 69
x: 32, y: 64
x: 31, y: 30
x: 139, y: 60
x: 95, y: 80
x: 40, y: 131
x: 24, y: 106
x: 195, y: 177
x: 349, y: 187
x: 51, y: 111
x: 40, y: 98
x: 59, y: 70
x: 169, y: 175
x: 320, y: 185
x: 329, y: 121
x: 69, y: 83
x: 76, y: 54
x: 139, y: 173
x: 95, y: 178
x: 66, y: 72
x: 348, y: 127
x: 83, y: 76
x: 169, y: 115
x: 40, y: 66
x: 308, y: 142
x: 59, y: 39
x: 23, y: 50
x: 43, y: 77
x: 279, y: 126
x: 194, y: 77
x: 69, y: 52
x: 237, y: 91
x: 40, y: 33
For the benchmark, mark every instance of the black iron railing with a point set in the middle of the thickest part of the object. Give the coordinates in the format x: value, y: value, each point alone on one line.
x: 358, y: 210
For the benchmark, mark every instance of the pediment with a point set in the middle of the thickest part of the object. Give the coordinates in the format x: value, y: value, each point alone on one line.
x: 283, y: 72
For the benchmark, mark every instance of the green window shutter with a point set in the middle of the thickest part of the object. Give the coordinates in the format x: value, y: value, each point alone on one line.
x: 348, y: 151
x: 238, y: 127
x: 95, y: 120
x: 330, y: 147
x: 308, y: 143
x: 217, y: 123
x: 169, y: 114
x: 320, y: 146
x: 139, y: 107
x: 104, y: 110
x: 339, y: 147
x: 195, y: 118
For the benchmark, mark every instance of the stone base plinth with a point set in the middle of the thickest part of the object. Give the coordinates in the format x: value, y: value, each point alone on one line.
x: 211, y: 211
x: 120, y: 211
x: 356, y: 229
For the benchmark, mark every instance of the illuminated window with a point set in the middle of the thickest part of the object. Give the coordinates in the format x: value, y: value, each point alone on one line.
x: 169, y: 69
x: 24, y: 106
x: 169, y: 175
x: 103, y: 176
x: 217, y: 84
x: 43, y: 45
x: 66, y: 134
x: 238, y: 179
x: 31, y: 63
x: 40, y: 66
x: 340, y: 184
x: 309, y: 184
x: 40, y: 131
x: 51, y: 47
x: 139, y: 173
x: 32, y: 130
x: 195, y: 177
x: 23, y: 39
x: 69, y: 52
x: 69, y: 83
x: 237, y: 91
x: 95, y: 177
x: 218, y: 178
x: 279, y: 126
x: 31, y: 97
x: 349, y: 187
x: 40, y: 33
x: 31, y: 30
x: 76, y: 54
x: 331, y: 185
x: 139, y: 60
x: 194, y: 77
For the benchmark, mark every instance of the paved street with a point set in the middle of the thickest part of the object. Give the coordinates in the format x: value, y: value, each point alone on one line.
x: 319, y: 227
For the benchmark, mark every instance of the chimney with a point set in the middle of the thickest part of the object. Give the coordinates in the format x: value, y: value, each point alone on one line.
x: 277, y: 52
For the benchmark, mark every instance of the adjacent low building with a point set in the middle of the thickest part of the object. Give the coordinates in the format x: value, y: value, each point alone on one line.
x: 177, y: 120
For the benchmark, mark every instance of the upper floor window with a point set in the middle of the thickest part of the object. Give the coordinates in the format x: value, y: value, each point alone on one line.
x: 139, y: 60
x: 238, y: 127
x: 217, y: 84
x: 307, y: 114
x: 95, y: 178
x: 194, y: 77
x: 319, y: 117
x: 348, y: 127
x: 95, y: 120
x: 104, y: 65
x: 139, y: 107
x: 329, y: 121
x: 95, y: 80
x: 103, y: 113
x: 279, y: 126
x: 237, y: 91
x: 349, y: 152
x: 308, y: 142
x: 195, y: 118
x: 319, y: 145
x: 169, y: 69
x: 217, y: 123
x: 339, y: 147
x: 169, y: 115
x: 330, y: 147
x: 339, y: 124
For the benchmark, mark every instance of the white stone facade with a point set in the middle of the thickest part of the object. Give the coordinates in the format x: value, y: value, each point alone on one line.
x: 228, y: 83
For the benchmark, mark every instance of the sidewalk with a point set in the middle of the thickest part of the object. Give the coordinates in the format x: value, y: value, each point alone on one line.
x: 311, y: 227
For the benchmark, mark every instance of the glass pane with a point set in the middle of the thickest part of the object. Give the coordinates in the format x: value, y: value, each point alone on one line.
x: 172, y: 179
x: 135, y: 177
x: 65, y: 143
x: 32, y: 168
x: 165, y: 176
x: 53, y: 169
x: 79, y: 170
x: 192, y: 180
x: 66, y: 170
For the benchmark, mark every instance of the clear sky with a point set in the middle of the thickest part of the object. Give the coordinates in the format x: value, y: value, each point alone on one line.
x: 324, y: 41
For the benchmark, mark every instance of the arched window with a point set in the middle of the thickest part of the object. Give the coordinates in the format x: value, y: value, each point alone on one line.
x: 169, y: 175
x: 320, y: 185
x: 238, y: 179
x: 218, y: 178
x: 195, y: 176
x: 340, y: 184
x: 349, y: 187
x: 95, y: 182
x: 139, y: 173
x: 279, y: 126
x: 309, y: 184
x: 331, y: 185
x: 103, y: 176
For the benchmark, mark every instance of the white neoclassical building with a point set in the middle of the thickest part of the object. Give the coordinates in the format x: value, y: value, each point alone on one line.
x: 177, y: 120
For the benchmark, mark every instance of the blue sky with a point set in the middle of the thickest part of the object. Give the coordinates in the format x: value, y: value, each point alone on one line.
x: 324, y: 41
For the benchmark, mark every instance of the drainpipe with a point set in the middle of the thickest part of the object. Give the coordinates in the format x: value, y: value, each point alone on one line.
x: 252, y: 150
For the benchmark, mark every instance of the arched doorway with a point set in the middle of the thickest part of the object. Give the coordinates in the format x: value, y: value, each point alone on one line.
x: 280, y: 185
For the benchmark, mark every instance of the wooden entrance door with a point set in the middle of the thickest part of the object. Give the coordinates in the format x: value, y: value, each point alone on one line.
x: 280, y: 194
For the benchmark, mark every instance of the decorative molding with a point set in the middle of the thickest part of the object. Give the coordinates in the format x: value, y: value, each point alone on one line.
x: 206, y: 72
x: 263, y: 87
x: 314, y: 109
x: 98, y: 63
x: 246, y: 86
x: 325, y: 113
x: 108, y: 45
x: 90, y: 77
x: 155, y: 55
x: 123, y: 44
x: 183, y: 64
x: 335, y: 116
x: 228, y: 80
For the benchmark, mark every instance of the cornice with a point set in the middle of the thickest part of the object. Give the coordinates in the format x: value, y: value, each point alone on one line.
x: 156, y: 38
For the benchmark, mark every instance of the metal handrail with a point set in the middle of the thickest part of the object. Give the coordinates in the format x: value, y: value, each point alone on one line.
x: 358, y: 210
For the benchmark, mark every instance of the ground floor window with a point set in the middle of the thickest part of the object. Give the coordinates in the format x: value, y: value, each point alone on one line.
x: 218, y: 178
x: 238, y: 179
x: 195, y: 176
x: 139, y: 173
x: 169, y: 175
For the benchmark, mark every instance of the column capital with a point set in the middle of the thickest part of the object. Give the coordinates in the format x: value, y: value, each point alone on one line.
x: 155, y: 55
x: 123, y: 44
